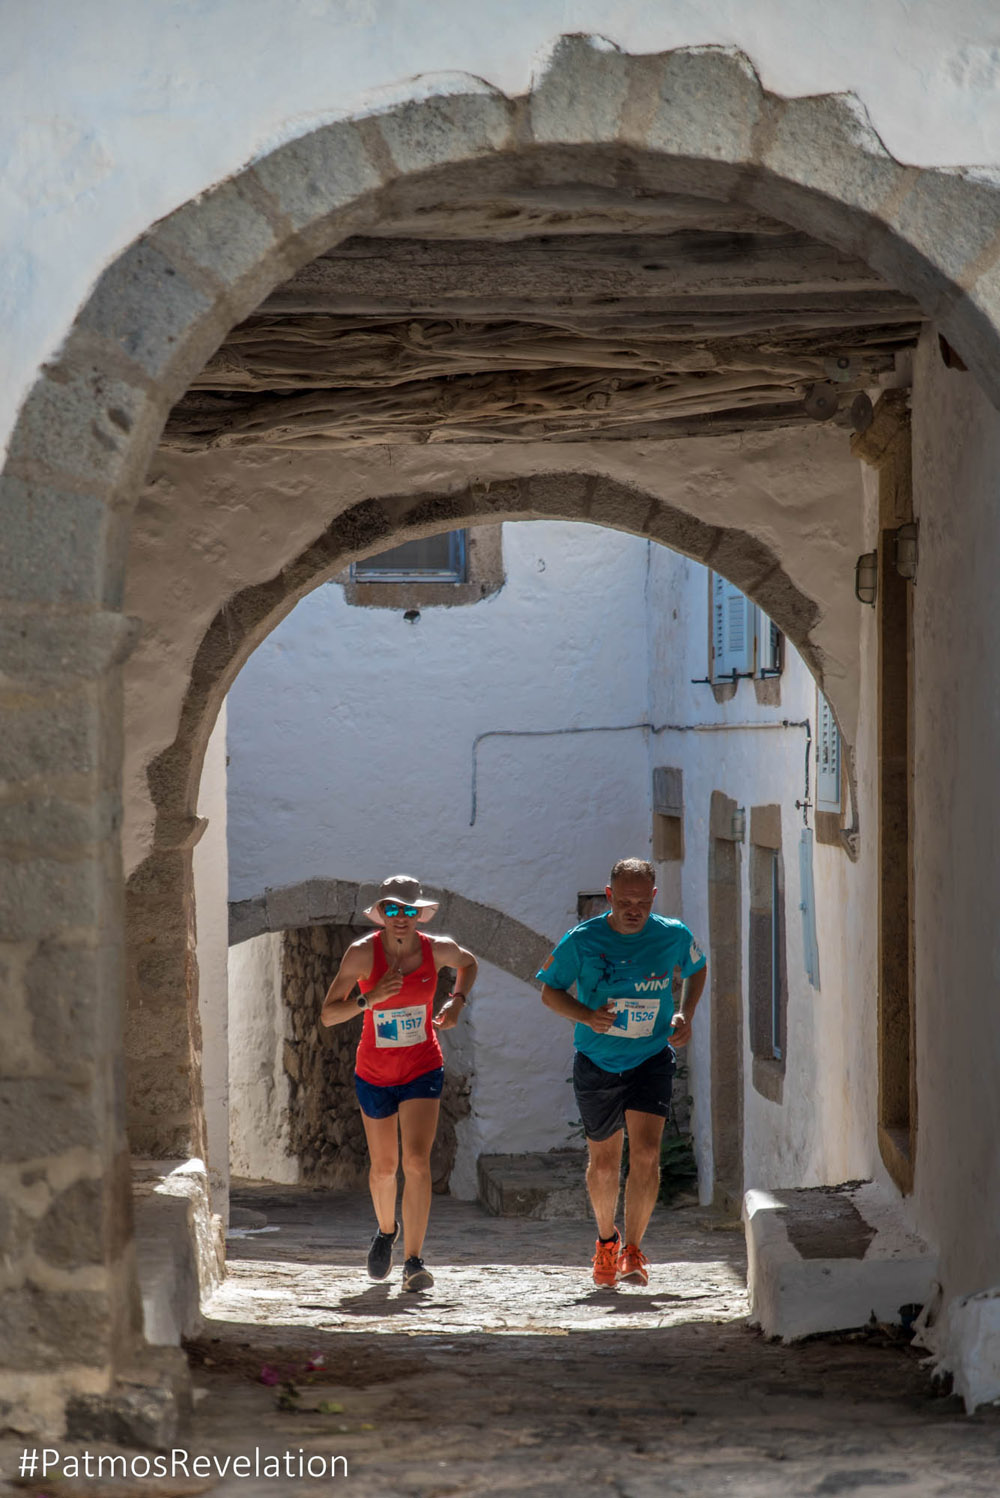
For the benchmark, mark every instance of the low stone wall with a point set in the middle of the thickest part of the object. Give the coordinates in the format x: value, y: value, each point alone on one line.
x: 326, y: 1132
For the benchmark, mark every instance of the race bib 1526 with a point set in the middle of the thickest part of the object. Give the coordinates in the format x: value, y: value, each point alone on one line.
x: 394, y: 1027
x: 635, y: 1018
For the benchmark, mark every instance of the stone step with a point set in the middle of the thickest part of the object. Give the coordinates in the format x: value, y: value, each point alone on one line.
x: 544, y: 1186
x: 828, y: 1258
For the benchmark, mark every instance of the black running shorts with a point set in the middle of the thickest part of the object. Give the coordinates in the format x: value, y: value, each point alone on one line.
x: 604, y: 1097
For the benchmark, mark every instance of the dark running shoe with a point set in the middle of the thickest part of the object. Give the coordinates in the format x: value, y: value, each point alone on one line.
x: 380, y: 1253
x: 415, y: 1276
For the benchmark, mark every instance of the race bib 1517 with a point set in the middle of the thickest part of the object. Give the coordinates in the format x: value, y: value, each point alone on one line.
x: 394, y: 1027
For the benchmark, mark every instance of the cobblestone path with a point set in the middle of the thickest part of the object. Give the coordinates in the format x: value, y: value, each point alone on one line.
x: 514, y: 1375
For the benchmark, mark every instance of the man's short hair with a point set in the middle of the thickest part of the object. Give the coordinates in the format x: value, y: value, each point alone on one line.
x: 636, y: 867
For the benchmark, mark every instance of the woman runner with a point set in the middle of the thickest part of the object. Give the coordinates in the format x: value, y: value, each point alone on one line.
x: 399, y: 1070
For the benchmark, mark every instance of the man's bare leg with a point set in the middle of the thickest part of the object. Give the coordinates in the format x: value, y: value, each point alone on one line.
x: 642, y: 1185
x: 603, y: 1176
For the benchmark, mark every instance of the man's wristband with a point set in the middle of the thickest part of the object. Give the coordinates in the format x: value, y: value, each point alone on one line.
x: 461, y: 996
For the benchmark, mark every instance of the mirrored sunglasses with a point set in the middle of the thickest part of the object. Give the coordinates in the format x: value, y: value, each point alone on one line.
x: 391, y: 909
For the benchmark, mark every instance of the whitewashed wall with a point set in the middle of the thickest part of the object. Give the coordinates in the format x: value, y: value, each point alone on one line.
x: 824, y: 1128
x: 112, y: 115
x: 352, y: 734
x: 258, y: 1087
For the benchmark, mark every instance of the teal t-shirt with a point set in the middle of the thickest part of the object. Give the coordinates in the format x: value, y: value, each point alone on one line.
x: 636, y: 972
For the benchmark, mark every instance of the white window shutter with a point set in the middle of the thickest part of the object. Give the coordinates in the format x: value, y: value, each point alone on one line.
x: 732, y: 630
x: 768, y: 644
x: 807, y: 905
x: 827, y: 757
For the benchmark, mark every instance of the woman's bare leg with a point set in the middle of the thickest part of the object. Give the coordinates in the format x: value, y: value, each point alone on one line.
x: 418, y: 1120
x: 383, y: 1153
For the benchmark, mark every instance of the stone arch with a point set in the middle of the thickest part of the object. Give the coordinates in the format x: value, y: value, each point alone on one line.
x: 494, y: 936
x: 248, y: 618
x: 696, y: 121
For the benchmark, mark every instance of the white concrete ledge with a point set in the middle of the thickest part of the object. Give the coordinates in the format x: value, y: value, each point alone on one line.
x: 179, y: 1247
x: 828, y: 1258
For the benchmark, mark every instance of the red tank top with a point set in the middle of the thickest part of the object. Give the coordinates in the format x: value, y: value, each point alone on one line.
x: 398, y: 1041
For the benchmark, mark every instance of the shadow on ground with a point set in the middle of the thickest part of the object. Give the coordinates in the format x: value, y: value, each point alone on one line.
x: 515, y: 1376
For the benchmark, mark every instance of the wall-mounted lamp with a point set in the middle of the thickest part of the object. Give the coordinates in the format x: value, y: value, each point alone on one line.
x: 739, y: 824
x: 866, y: 578
x: 906, y: 551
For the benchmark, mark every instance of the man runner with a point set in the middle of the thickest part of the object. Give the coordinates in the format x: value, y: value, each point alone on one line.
x: 622, y: 963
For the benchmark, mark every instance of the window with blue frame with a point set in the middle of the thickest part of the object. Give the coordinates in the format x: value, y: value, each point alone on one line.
x: 434, y: 559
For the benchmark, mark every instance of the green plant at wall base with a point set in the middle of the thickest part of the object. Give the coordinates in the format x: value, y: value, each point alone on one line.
x: 678, y: 1167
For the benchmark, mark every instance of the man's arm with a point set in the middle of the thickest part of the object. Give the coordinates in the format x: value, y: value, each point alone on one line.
x: 691, y: 992
x: 448, y: 953
x: 561, y: 1001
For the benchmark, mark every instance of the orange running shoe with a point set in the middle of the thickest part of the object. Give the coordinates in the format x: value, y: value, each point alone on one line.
x: 605, y: 1260
x: 633, y: 1265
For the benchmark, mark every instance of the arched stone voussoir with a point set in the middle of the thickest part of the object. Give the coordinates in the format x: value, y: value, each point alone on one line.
x: 933, y: 264
x: 490, y: 934
x: 820, y: 160
x: 697, y: 108
x: 466, y: 120
x: 87, y: 427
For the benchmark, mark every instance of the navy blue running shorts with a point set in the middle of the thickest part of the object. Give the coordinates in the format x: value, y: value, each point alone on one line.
x: 604, y: 1097
x: 383, y: 1102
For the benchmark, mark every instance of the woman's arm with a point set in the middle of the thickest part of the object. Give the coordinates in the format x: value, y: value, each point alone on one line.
x: 341, y: 1003
x: 448, y: 953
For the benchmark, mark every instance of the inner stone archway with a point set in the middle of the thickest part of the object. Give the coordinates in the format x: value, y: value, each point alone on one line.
x: 692, y: 122
x: 317, y: 919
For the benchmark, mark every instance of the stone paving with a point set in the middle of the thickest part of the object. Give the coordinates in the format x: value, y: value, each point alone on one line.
x: 514, y: 1375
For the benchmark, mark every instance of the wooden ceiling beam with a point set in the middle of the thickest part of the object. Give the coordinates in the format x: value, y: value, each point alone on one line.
x: 683, y: 271
x: 299, y: 355
x: 492, y: 406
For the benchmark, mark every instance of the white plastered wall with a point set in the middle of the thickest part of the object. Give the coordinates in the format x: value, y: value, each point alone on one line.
x: 823, y: 1128
x: 258, y: 1086
x: 353, y: 734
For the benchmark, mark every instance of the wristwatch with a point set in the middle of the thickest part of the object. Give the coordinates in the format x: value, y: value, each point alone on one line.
x: 362, y: 1001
